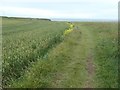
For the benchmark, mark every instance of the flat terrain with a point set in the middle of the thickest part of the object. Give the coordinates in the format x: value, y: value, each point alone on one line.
x: 38, y: 53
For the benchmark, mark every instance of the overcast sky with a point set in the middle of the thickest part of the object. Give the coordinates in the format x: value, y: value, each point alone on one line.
x: 82, y: 9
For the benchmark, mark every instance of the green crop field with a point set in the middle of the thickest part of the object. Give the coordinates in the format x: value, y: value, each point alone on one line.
x: 52, y: 54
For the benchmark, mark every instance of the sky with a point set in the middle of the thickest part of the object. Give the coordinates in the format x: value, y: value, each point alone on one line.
x: 75, y: 9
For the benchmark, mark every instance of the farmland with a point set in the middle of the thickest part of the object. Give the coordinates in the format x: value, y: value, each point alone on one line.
x: 44, y: 53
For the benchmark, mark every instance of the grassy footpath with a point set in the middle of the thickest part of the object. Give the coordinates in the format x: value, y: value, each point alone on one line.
x: 105, y: 37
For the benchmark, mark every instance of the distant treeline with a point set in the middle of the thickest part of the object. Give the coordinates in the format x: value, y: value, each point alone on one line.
x: 26, y: 18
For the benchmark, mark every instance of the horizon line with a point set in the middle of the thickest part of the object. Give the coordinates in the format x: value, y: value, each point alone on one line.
x: 62, y: 19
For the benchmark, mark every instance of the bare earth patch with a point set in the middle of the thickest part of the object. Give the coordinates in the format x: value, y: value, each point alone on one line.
x: 91, y: 71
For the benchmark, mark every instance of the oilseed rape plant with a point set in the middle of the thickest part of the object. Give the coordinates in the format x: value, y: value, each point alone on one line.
x: 69, y: 30
x: 71, y: 26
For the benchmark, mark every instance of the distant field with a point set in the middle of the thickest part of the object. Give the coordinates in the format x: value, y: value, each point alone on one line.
x: 38, y: 53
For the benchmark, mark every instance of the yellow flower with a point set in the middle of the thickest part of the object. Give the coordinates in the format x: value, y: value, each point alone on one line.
x: 67, y: 31
x: 71, y: 26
